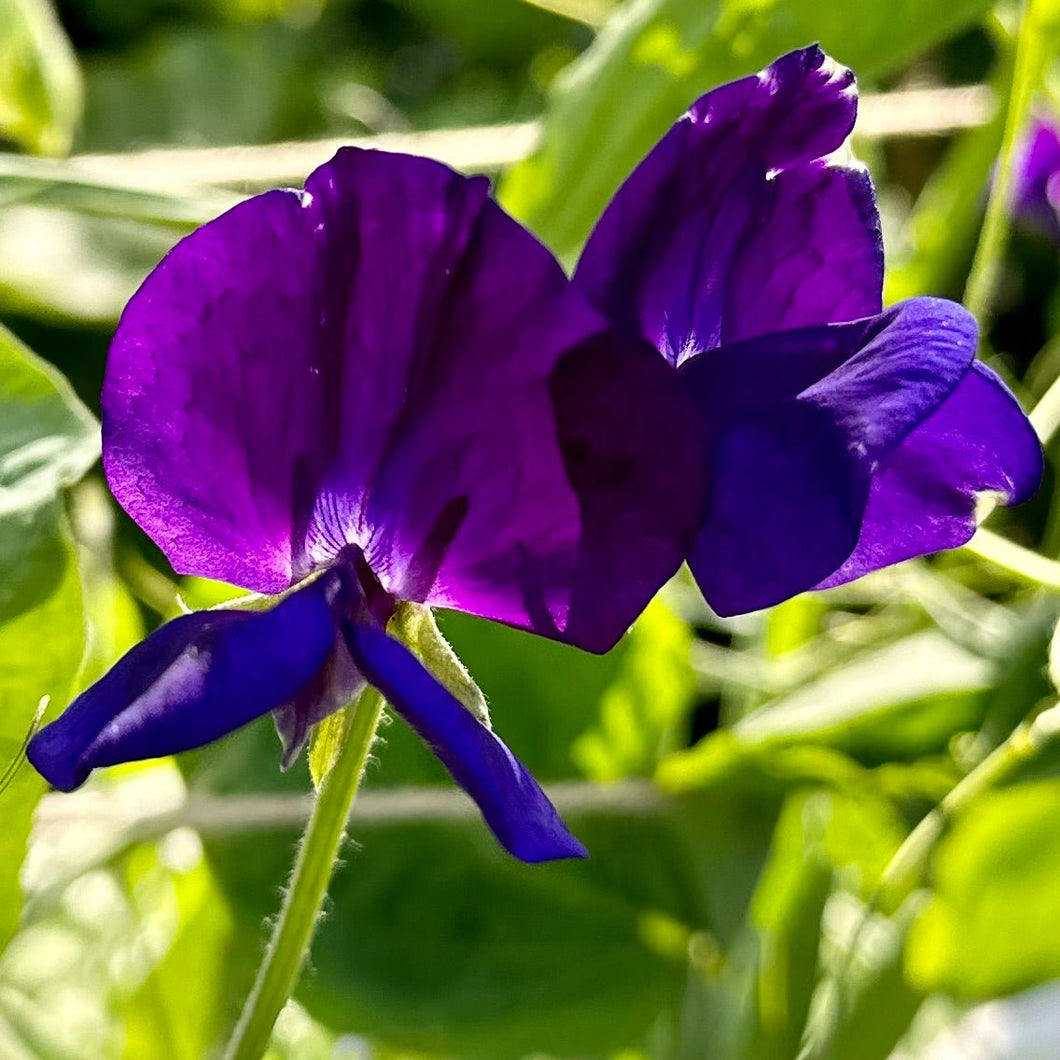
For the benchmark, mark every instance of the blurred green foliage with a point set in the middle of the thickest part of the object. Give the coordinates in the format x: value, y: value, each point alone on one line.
x: 743, y: 785
x: 40, y: 80
x: 47, y: 441
x: 989, y: 927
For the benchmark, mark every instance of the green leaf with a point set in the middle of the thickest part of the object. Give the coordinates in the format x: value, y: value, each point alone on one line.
x: 325, y: 744
x: 435, y: 940
x: 47, y: 440
x: 41, y: 643
x: 40, y: 83
x: 787, y: 910
x: 654, y: 57
x: 990, y: 927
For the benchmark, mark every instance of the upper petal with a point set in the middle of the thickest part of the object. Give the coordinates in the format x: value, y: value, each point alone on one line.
x: 923, y: 496
x: 511, y: 801
x: 815, y: 255
x: 479, y: 411
x: 192, y: 681
x: 732, y: 226
x: 386, y: 360
x: 216, y: 392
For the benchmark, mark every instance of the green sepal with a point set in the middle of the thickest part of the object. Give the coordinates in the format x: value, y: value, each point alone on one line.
x: 414, y: 626
x: 325, y: 743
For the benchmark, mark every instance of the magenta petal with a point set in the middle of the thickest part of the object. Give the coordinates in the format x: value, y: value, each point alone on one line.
x: 923, y: 496
x: 385, y: 360
x: 463, y: 343
x: 732, y: 226
x: 192, y: 681
x: 214, y: 397
x: 512, y: 803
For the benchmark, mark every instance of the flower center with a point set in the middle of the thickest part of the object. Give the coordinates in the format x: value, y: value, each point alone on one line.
x: 360, y: 593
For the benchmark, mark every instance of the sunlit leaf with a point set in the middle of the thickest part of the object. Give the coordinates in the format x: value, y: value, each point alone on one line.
x: 180, y: 1010
x: 47, y: 440
x: 991, y: 925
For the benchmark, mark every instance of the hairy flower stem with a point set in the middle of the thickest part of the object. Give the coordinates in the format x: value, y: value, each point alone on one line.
x: 293, y: 933
x: 1033, y: 53
x: 906, y: 870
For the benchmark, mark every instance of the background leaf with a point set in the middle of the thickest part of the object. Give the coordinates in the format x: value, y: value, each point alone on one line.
x: 40, y: 83
x: 990, y: 926
x: 47, y: 440
x: 654, y: 57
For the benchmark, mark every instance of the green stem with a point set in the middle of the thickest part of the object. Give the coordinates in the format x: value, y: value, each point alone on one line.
x: 906, y: 869
x: 1032, y: 58
x: 1031, y: 566
x: 1045, y: 416
x: 280, y: 969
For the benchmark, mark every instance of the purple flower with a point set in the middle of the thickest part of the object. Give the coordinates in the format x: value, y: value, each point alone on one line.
x: 1036, y: 191
x: 839, y: 438
x: 379, y: 389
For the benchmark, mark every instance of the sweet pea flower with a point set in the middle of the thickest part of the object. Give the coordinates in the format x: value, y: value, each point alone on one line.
x: 1036, y: 173
x: 375, y: 391
x: 839, y: 437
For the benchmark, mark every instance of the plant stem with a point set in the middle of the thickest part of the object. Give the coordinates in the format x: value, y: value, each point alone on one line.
x: 1031, y: 566
x: 906, y: 869
x: 293, y: 933
x: 1033, y: 52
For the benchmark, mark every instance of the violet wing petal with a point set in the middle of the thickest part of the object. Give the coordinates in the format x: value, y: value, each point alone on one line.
x: 734, y: 226
x: 784, y: 509
x: 907, y: 364
x: 923, y: 496
x: 514, y: 806
x: 382, y: 361
x: 795, y: 425
x: 192, y: 681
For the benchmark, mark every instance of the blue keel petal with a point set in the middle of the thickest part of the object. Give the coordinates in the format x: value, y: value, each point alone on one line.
x: 192, y: 681
x: 513, y: 804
